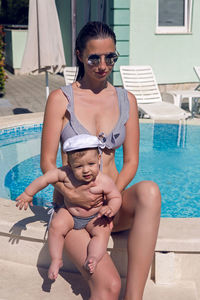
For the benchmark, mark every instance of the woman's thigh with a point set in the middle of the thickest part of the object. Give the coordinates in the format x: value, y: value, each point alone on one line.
x: 105, y: 276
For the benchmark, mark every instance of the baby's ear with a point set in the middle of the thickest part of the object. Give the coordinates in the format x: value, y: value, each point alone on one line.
x: 68, y: 163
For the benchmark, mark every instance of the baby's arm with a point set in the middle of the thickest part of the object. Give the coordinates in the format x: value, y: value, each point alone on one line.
x: 113, y: 197
x: 50, y: 177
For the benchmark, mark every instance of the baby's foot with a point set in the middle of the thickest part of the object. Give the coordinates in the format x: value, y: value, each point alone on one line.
x: 90, y: 264
x: 54, y: 269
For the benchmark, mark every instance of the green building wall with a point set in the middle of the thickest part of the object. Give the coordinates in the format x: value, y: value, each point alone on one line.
x: 64, y: 15
x: 172, y: 56
x: 15, y: 41
x: 119, y: 20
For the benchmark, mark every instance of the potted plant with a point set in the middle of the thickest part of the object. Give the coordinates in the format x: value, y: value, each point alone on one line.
x: 2, y: 59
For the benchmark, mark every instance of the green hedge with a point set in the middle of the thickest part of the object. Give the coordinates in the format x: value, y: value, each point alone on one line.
x: 2, y: 58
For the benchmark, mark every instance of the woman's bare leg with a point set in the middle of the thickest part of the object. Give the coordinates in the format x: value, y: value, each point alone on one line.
x: 105, y: 282
x: 97, y: 246
x: 61, y: 223
x: 140, y: 212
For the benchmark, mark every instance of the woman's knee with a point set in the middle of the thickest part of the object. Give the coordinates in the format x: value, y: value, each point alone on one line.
x: 148, y: 195
x: 109, y: 289
x: 114, y: 286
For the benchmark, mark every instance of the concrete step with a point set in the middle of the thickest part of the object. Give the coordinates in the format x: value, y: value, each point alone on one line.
x: 177, y: 291
x: 23, y: 282
x: 23, y: 247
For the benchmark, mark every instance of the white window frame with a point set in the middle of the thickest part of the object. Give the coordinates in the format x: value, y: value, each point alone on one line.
x: 177, y: 29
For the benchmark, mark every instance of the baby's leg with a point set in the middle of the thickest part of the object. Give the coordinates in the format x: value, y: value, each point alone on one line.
x: 100, y: 230
x: 61, y: 223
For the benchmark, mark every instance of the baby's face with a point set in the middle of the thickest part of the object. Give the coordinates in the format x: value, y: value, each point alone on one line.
x: 86, y: 168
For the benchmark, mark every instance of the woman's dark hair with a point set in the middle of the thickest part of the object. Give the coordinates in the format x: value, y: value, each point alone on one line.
x: 92, y: 30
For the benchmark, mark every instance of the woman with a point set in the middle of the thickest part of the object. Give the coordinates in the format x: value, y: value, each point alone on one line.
x: 92, y: 105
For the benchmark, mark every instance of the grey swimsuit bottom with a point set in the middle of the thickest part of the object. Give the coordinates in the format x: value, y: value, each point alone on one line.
x: 79, y: 222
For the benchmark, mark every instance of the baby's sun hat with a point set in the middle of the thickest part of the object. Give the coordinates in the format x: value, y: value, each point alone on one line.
x: 82, y: 141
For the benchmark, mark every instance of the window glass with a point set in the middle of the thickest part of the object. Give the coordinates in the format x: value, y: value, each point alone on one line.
x: 171, y: 13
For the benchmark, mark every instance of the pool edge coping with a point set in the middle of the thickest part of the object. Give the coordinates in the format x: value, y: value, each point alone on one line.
x: 21, y: 119
x: 189, y: 121
x: 175, y: 234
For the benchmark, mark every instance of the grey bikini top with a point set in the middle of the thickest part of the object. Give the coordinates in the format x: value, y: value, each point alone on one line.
x: 115, y: 138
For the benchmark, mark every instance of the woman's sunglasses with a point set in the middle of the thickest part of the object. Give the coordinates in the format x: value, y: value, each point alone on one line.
x: 110, y: 59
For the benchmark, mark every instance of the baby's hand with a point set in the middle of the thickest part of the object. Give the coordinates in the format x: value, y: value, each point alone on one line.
x: 24, y: 200
x: 106, y: 211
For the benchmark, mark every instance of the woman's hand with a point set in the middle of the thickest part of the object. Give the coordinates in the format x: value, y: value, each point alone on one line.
x: 86, y: 198
x: 86, y: 195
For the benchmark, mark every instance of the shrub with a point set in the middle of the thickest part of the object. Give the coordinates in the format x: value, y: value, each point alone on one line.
x: 2, y: 59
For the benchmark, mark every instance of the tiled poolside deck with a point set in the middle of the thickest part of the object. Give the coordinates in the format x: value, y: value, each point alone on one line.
x: 26, y: 93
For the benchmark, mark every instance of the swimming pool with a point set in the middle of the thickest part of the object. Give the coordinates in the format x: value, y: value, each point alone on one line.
x: 169, y: 155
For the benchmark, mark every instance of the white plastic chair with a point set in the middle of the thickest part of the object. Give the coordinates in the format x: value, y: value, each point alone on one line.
x: 141, y: 81
x: 197, y: 70
x: 192, y: 96
x: 70, y: 74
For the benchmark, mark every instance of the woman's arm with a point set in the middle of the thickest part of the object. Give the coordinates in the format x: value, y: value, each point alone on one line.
x: 130, y: 146
x: 53, y: 123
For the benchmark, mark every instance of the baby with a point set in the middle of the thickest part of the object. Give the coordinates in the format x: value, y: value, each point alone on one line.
x: 83, y: 167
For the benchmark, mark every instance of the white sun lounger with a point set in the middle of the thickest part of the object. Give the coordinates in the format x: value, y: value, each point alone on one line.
x: 140, y: 81
x: 70, y: 74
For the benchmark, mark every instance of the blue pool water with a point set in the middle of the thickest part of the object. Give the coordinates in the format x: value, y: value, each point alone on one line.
x: 169, y: 155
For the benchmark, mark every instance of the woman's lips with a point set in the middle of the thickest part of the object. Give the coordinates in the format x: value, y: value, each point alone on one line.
x: 102, y: 74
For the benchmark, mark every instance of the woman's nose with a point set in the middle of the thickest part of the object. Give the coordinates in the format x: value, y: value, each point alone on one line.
x: 102, y: 64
